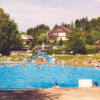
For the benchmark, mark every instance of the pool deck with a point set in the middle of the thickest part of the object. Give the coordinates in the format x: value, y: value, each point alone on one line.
x: 52, y: 94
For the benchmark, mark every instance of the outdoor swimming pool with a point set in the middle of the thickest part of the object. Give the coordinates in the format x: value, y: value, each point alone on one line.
x: 32, y: 76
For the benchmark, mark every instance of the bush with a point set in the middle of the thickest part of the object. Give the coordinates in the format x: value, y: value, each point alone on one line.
x: 92, y: 49
x: 49, y: 51
x: 54, y: 51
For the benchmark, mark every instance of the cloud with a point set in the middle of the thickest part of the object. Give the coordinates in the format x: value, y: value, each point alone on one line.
x: 28, y: 13
x: 95, y: 1
x: 98, y: 1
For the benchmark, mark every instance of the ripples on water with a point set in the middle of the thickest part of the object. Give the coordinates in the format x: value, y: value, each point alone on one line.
x: 17, y: 77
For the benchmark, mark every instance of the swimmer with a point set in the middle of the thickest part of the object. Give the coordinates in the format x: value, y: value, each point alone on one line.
x: 39, y: 66
x: 22, y: 65
x: 97, y: 67
x: 69, y: 68
x: 56, y: 86
x: 2, y: 65
x: 95, y: 84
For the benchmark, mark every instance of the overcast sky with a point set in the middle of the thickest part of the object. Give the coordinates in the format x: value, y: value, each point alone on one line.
x: 29, y: 13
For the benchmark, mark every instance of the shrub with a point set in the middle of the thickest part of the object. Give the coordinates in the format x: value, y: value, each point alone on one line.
x: 54, y: 51
x: 49, y: 51
x: 92, y: 49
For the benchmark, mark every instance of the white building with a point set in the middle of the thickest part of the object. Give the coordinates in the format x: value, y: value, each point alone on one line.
x: 59, y: 33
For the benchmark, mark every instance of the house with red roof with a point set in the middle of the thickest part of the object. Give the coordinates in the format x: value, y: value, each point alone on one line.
x: 59, y: 33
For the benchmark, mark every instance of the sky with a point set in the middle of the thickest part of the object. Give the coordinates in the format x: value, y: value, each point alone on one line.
x: 30, y: 13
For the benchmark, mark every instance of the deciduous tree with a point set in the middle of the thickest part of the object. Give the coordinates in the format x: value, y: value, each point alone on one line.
x: 76, y: 42
x: 9, y: 34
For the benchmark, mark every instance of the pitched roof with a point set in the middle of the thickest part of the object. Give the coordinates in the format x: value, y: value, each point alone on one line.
x: 26, y: 37
x: 59, y: 29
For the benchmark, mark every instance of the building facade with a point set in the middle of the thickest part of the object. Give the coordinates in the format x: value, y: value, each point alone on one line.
x: 26, y: 38
x: 59, y: 33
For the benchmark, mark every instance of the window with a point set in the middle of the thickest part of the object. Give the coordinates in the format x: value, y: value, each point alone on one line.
x: 62, y: 34
x: 55, y: 34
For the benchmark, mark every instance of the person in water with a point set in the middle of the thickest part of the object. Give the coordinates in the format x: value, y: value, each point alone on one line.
x: 95, y: 84
x: 56, y: 85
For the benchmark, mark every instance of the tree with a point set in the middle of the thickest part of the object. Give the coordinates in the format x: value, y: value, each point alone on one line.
x: 67, y: 25
x: 77, y: 23
x: 76, y: 42
x: 55, y: 26
x: 89, y: 39
x: 9, y: 34
x: 83, y: 24
x: 37, y: 31
x: 60, y: 42
x: 42, y: 38
x: 31, y: 32
x: 96, y: 35
x: 31, y: 44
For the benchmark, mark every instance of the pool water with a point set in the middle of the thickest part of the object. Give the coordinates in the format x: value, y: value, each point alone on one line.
x: 32, y: 76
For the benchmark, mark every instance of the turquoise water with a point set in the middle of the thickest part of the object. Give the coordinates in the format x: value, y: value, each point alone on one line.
x: 32, y: 76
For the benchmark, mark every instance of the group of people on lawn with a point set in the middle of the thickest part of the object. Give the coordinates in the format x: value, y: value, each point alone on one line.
x: 87, y: 62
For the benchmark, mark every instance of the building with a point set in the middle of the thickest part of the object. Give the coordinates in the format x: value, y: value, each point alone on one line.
x: 59, y: 33
x: 26, y: 38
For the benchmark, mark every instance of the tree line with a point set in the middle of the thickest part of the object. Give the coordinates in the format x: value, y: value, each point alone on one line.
x: 84, y: 32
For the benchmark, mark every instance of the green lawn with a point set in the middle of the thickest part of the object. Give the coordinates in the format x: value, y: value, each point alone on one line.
x: 82, y: 57
x: 73, y: 59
